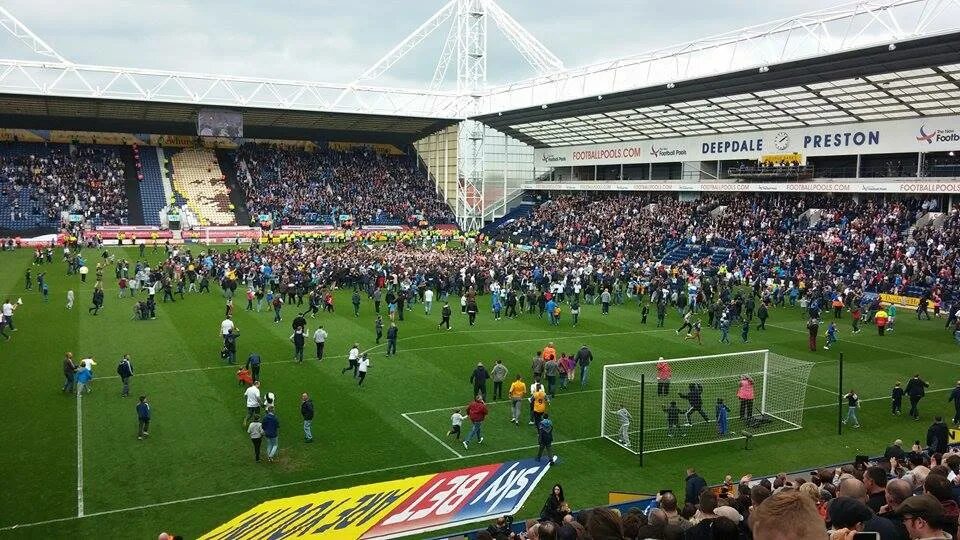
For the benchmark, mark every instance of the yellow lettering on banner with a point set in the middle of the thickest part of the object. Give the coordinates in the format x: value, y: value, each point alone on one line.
x: 339, y: 514
x: 773, y: 159
x: 909, y: 301
x: 954, y: 436
x: 376, y: 147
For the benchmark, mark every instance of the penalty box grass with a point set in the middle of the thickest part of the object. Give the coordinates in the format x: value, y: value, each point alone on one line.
x: 196, y: 470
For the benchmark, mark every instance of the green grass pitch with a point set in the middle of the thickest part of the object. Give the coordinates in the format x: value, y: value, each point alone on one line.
x: 197, y: 471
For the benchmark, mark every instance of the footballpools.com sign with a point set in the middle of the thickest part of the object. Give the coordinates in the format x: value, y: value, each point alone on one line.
x: 893, y: 186
x: 895, y: 136
x: 391, y: 509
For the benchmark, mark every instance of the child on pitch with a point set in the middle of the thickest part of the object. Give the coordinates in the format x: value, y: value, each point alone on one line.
x: 456, y: 420
x: 695, y: 333
x: 722, y: 414
x: 673, y: 419
x: 623, y: 415
x: 896, y: 399
x: 831, y: 335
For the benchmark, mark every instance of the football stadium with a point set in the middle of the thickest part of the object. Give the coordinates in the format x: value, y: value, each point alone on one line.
x: 707, y: 290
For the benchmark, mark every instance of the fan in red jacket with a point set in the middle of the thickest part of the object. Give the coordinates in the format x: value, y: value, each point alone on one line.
x: 477, y: 412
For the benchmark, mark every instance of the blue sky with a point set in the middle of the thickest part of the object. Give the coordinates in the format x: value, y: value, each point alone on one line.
x: 335, y: 41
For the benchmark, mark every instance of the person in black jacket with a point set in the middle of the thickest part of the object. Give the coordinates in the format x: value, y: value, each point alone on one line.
x: 125, y: 371
x: 445, y: 316
x: 955, y: 398
x: 695, y: 484
x: 938, y: 436
x: 306, y: 411
x: 694, y: 396
x: 916, y: 390
x: 392, y: 339
x: 552, y: 507
x: 479, y: 379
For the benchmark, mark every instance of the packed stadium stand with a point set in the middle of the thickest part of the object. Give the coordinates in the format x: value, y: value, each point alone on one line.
x: 300, y: 187
x: 199, y: 183
x: 834, y: 239
x: 40, y: 181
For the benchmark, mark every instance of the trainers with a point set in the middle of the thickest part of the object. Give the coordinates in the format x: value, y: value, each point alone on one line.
x: 530, y: 423
x: 480, y: 441
x: 465, y: 445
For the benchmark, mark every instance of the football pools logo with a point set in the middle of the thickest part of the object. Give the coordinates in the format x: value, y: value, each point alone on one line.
x: 937, y: 135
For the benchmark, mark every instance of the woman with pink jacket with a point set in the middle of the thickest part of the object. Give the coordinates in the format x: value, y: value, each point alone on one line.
x: 745, y: 394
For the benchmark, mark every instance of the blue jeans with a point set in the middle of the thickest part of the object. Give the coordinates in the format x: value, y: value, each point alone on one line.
x: 475, y: 432
x: 272, y: 446
x: 308, y: 429
x: 583, y: 375
x: 956, y: 337
x: 852, y: 416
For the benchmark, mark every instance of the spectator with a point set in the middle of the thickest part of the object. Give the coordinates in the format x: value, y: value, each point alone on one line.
x: 695, y: 484
x: 923, y: 517
x: 786, y: 516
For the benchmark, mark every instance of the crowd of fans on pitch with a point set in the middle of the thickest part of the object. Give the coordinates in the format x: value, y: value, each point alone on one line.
x: 300, y: 187
x: 866, y: 243
x: 81, y: 179
x: 907, y: 494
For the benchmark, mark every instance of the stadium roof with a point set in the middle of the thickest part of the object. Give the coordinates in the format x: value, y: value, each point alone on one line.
x: 914, y: 78
x: 52, y: 112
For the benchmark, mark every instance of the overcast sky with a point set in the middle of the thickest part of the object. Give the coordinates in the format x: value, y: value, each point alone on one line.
x: 335, y: 41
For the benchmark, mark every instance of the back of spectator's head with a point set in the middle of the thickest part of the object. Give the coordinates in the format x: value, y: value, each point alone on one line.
x: 938, y: 486
x: 724, y: 529
x: 875, y: 476
x: 708, y: 501
x: 604, y: 523
x: 631, y: 524
x: 571, y: 531
x: 657, y: 517
x: 688, y: 511
x: 668, y: 501
x: 811, y: 491
x: 940, y: 470
x: 897, y: 491
x: 786, y: 516
x: 758, y: 494
x: 547, y: 530
x: 766, y: 483
x: 847, y: 512
x: 853, y: 488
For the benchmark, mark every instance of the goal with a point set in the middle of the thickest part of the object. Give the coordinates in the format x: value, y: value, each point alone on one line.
x: 642, y: 413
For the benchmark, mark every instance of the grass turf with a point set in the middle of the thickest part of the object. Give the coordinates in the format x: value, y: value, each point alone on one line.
x: 196, y: 470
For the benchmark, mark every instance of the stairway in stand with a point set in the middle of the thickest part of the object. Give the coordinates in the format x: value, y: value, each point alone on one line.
x: 238, y: 196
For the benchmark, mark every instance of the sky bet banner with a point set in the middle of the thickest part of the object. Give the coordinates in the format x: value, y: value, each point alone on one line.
x: 391, y: 509
x: 928, y: 134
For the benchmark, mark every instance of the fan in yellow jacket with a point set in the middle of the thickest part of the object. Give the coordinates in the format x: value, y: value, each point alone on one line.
x: 518, y: 389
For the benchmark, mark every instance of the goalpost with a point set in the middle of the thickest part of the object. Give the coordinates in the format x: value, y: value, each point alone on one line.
x: 643, y: 413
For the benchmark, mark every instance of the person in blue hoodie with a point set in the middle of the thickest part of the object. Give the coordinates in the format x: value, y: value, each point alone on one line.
x: 722, y: 414
x: 84, y: 376
x: 271, y: 430
x: 549, y: 309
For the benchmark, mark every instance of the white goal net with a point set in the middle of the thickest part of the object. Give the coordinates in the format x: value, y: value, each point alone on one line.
x: 702, y: 399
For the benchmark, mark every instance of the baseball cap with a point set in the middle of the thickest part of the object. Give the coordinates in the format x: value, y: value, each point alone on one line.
x: 729, y: 512
x: 845, y: 512
x: 925, y: 506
